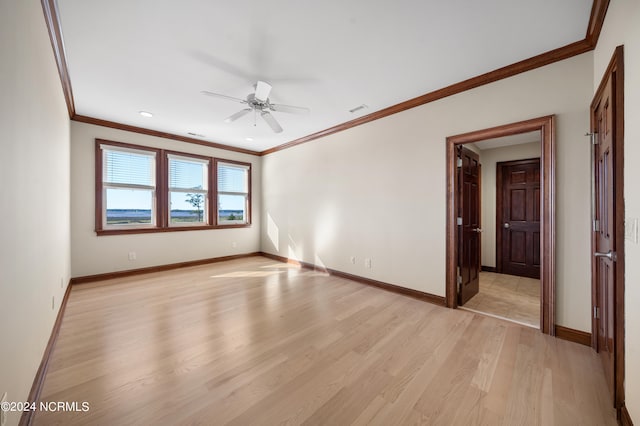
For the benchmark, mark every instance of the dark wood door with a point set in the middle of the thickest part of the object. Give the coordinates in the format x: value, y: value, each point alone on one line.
x: 605, y: 236
x: 518, y: 211
x: 468, y: 224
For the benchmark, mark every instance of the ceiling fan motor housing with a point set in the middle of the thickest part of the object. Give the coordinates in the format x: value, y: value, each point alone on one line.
x: 258, y: 104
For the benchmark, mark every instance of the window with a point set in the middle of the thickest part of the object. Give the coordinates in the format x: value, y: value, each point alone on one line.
x: 141, y: 189
x: 233, y: 192
x: 128, y: 187
x: 188, y: 191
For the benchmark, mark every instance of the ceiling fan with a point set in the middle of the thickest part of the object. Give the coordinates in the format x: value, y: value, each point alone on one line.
x: 259, y: 102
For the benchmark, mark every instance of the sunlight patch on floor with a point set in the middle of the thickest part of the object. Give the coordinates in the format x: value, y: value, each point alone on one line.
x: 247, y: 274
x: 280, y: 265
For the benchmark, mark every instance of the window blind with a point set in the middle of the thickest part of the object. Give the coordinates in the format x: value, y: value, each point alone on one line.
x: 232, y: 178
x: 123, y: 167
x: 187, y: 174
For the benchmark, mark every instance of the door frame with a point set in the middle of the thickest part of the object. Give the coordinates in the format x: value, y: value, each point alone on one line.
x: 500, y: 204
x: 546, y: 126
x: 615, y: 71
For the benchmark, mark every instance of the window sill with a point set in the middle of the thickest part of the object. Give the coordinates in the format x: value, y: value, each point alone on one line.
x: 101, y: 232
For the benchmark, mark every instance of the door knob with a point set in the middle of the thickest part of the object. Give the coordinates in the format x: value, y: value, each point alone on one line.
x: 506, y: 225
x: 609, y: 255
x: 478, y: 230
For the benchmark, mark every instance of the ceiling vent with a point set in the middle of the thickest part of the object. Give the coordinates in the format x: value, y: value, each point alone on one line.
x: 358, y: 108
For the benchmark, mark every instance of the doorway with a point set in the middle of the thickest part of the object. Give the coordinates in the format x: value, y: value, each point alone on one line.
x: 499, y: 227
x: 456, y: 227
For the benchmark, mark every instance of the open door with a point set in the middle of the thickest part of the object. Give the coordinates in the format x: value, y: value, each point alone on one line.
x: 608, y: 223
x: 468, y: 224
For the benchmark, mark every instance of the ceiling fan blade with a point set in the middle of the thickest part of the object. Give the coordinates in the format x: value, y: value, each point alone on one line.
x: 237, y: 115
x: 262, y: 91
x: 218, y: 95
x: 290, y: 109
x: 271, y: 121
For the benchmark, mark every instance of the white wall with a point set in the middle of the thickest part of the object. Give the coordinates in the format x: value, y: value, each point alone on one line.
x: 489, y: 158
x: 378, y: 190
x: 91, y: 254
x: 622, y: 26
x: 34, y: 195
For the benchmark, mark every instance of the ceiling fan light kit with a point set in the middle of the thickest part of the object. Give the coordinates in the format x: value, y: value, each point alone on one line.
x: 262, y: 91
x: 259, y: 102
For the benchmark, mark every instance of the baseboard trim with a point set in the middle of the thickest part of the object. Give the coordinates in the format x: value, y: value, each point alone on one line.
x: 36, y: 388
x: 624, y: 417
x: 488, y: 268
x: 427, y: 297
x: 576, y: 336
x: 159, y: 268
x: 300, y: 263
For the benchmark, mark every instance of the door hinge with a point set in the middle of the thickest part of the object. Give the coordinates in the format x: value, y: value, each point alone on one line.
x: 596, y: 225
x: 459, y: 221
x: 596, y: 312
x: 459, y: 162
x: 594, y: 137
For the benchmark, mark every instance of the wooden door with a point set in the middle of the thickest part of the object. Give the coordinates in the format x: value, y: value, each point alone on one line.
x: 607, y: 242
x: 468, y: 224
x: 605, y: 235
x: 518, y: 217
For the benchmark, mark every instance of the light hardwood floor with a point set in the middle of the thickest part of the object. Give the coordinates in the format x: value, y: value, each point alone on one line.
x: 254, y: 341
x: 508, y: 296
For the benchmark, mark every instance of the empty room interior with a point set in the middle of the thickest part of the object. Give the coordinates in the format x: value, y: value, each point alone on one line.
x: 319, y: 213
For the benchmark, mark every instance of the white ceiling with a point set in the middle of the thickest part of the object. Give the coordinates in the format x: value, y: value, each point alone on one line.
x: 518, y: 139
x: 125, y: 56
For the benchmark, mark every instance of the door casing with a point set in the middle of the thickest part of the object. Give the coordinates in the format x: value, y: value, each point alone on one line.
x: 546, y: 126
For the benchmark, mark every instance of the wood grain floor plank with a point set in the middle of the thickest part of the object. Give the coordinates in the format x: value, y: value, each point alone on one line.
x: 253, y: 341
x: 508, y: 296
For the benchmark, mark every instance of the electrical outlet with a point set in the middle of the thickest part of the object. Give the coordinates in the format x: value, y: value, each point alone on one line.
x: 3, y: 414
x: 353, y: 259
x: 234, y: 244
x: 132, y: 255
x: 367, y: 263
x: 53, y: 303
x: 61, y: 282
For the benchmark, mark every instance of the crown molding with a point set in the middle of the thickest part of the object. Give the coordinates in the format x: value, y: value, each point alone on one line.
x: 50, y: 10
x: 145, y: 131
x: 596, y: 20
x: 541, y: 60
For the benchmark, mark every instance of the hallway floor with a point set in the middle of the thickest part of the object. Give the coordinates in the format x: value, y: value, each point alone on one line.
x: 508, y: 296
